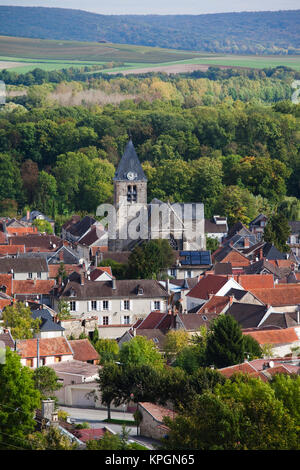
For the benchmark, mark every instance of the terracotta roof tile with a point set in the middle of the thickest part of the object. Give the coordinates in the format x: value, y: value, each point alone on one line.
x: 245, y: 368
x: 15, y: 231
x: 84, y: 350
x: 214, y: 305
x: 11, y: 249
x: 275, y: 337
x: 255, y: 281
x: 33, y: 287
x: 6, y: 280
x: 58, y: 346
x: 85, y: 435
x: 286, y: 295
x: 69, y: 268
x: 156, y: 411
x: 207, y: 285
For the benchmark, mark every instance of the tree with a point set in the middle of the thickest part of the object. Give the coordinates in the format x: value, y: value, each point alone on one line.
x: 61, y: 273
x: 225, y: 346
x: 252, y: 348
x: 63, y: 310
x: 175, y: 342
x: 140, y: 351
x: 265, y: 423
x: 109, y: 377
x: 287, y: 390
x: 18, y: 402
x: 149, y: 259
x: 277, y: 232
x: 107, y: 349
x: 43, y: 226
x: 51, y: 439
x: 212, y: 244
x: 46, y: 381
x: 18, y: 318
x: 208, y: 423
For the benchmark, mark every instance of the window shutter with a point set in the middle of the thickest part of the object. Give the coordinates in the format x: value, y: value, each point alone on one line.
x: 76, y: 306
x: 99, y: 305
x: 122, y: 305
x: 152, y: 306
x: 130, y: 304
x: 89, y: 305
x: 109, y: 305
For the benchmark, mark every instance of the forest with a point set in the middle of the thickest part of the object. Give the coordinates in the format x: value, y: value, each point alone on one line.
x: 230, y: 141
x: 235, y: 33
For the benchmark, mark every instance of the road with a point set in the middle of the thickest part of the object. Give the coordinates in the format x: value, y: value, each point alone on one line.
x: 96, y: 417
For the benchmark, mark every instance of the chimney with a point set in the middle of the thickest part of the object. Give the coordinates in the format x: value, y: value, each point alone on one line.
x: 61, y: 255
x: 28, y: 216
x: 246, y: 242
x: 82, y: 279
x: 48, y: 408
x: 231, y: 299
x: 261, y: 255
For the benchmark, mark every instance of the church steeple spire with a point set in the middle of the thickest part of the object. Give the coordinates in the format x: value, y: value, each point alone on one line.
x: 129, y: 168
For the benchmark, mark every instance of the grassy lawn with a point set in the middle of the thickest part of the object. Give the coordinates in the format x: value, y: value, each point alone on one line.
x: 119, y: 421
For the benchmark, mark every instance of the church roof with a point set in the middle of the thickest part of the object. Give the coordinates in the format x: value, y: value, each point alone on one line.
x: 130, y: 163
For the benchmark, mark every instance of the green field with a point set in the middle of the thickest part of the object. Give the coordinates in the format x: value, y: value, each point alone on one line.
x: 27, y: 54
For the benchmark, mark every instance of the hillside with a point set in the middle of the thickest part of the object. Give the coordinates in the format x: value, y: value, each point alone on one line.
x: 235, y: 33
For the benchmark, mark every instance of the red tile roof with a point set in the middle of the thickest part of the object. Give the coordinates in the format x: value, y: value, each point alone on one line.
x: 156, y: 411
x: 255, y: 281
x: 11, y: 249
x: 4, y: 303
x: 33, y: 287
x: 69, y: 268
x: 208, y: 285
x: 90, y: 434
x: 21, y: 230
x: 286, y: 295
x: 214, y: 305
x: 6, y: 280
x: 236, y: 259
x: 153, y: 320
x: 27, y: 348
x: 274, y: 337
x: 245, y: 368
x: 99, y: 271
x: 84, y: 350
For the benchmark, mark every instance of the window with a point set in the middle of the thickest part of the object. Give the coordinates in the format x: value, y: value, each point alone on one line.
x: 173, y: 272
x: 105, y: 321
x: 94, y: 304
x: 30, y: 275
x: 73, y: 306
x: 126, y: 305
x: 126, y: 320
x: 105, y: 305
x: 39, y: 275
x: 156, y: 305
x: 131, y: 194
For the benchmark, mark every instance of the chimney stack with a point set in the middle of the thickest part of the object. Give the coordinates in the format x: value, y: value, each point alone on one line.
x: 82, y: 279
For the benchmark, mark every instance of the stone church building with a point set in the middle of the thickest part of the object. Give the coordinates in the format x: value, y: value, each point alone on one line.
x: 137, y: 220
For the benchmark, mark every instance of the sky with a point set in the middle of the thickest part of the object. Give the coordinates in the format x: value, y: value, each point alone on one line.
x: 162, y: 7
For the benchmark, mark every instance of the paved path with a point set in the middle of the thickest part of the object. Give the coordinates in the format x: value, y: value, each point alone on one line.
x: 96, y: 417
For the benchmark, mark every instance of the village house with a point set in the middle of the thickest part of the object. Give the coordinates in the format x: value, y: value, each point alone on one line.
x: 152, y: 424
x: 25, y: 268
x: 189, y: 264
x: 116, y: 303
x: 48, y: 350
x: 216, y: 228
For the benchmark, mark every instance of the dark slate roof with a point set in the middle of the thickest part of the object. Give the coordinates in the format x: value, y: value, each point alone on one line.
x: 129, y: 162
x: 47, y: 323
x: 69, y: 256
x: 92, y: 236
x: 7, y: 339
x: 36, y: 240
x: 280, y: 320
x: 220, y: 255
x: 81, y: 227
x: 124, y: 289
x: 212, y: 227
x: 259, y: 266
x: 247, y: 315
x: 119, y: 256
x: 193, y: 321
x: 271, y: 252
x: 238, y: 294
x: 23, y: 265
x: 223, y: 268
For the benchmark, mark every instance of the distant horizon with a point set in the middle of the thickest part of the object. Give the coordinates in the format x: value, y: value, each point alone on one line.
x: 160, y: 8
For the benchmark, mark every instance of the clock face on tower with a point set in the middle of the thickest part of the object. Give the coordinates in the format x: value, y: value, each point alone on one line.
x: 131, y: 175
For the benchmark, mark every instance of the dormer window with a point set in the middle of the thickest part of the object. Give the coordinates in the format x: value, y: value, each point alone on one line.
x: 140, y: 290
x: 72, y: 293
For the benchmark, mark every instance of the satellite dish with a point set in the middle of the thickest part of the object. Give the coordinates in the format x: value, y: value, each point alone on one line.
x: 271, y: 364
